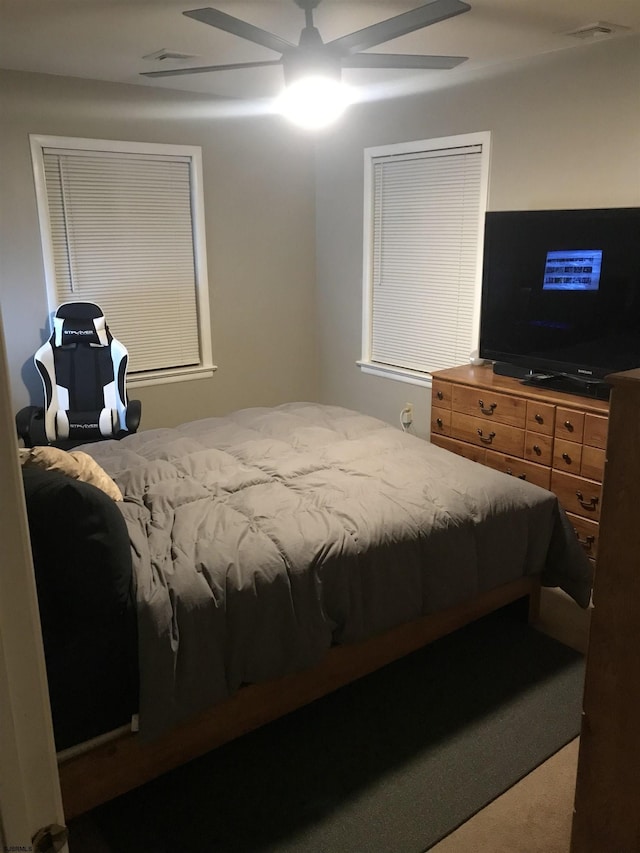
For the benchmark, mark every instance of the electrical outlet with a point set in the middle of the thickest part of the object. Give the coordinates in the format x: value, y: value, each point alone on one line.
x: 406, y: 415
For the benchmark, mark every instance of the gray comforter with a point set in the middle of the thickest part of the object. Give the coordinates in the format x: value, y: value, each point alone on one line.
x: 262, y: 538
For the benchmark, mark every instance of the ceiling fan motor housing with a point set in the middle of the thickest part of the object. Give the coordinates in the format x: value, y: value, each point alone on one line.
x: 311, y: 58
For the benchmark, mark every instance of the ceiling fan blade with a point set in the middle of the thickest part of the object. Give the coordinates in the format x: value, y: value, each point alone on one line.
x: 176, y: 72
x: 399, y: 25
x: 400, y: 60
x: 240, y: 28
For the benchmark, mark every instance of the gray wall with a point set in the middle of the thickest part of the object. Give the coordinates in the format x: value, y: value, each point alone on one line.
x: 565, y: 133
x: 260, y: 221
x: 286, y: 302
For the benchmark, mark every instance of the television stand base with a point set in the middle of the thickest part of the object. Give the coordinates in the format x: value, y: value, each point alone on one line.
x: 515, y: 371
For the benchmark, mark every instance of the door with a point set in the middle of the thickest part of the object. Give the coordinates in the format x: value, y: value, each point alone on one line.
x: 29, y: 786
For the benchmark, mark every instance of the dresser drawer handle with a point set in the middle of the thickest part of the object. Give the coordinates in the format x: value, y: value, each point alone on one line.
x: 486, y: 411
x: 439, y: 422
x: 590, y: 504
x: 587, y: 542
x: 520, y: 476
x: 537, y: 449
x: 566, y: 458
x: 538, y: 418
x: 439, y: 395
x: 486, y: 438
x: 569, y: 425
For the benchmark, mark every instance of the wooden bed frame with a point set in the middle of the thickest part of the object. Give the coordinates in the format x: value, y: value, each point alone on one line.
x: 119, y: 765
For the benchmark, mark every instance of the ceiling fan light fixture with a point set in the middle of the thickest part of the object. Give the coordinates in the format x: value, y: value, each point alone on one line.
x: 314, y: 101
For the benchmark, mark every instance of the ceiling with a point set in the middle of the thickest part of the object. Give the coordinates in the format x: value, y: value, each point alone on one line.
x: 107, y: 39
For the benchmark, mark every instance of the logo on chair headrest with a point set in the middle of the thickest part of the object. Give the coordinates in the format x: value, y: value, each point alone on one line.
x: 71, y: 331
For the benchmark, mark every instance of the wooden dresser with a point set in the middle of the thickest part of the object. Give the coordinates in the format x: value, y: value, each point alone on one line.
x: 549, y: 438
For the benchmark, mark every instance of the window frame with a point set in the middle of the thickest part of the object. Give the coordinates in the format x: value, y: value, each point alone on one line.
x: 38, y: 144
x: 371, y: 155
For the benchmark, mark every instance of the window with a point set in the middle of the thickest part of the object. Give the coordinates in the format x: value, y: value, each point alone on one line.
x: 424, y: 213
x: 122, y: 225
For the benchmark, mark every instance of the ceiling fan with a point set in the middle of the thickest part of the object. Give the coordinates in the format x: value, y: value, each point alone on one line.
x: 313, y: 56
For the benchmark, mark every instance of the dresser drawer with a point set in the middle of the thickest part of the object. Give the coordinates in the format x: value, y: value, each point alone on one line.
x: 441, y: 394
x: 595, y: 430
x: 567, y: 456
x: 540, y: 417
x: 501, y: 408
x: 488, y: 434
x: 593, y: 459
x: 587, y: 533
x: 569, y: 424
x: 476, y: 454
x: 538, y: 448
x: 579, y: 459
x: 577, y: 494
x: 537, y: 474
x: 440, y: 421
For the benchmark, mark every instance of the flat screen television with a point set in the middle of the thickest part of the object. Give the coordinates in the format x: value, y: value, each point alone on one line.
x: 561, y: 296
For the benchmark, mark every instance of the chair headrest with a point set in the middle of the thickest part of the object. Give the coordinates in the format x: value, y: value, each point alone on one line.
x: 80, y: 323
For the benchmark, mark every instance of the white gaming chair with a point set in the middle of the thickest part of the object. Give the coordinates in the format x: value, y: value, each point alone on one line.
x: 83, y: 370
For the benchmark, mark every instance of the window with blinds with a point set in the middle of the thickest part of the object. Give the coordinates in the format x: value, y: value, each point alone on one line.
x: 122, y: 227
x: 424, y: 216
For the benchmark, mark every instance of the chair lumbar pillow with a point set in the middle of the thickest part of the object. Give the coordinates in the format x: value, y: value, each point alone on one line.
x: 102, y: 424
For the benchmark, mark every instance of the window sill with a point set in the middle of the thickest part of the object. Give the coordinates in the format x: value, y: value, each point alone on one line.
x: 400, y: 374
x: 165, y: 377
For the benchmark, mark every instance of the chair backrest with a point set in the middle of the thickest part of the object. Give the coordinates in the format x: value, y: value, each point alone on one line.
x: 83, y: 370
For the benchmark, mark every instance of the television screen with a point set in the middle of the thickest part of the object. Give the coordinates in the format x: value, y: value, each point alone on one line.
x: 561, y: 291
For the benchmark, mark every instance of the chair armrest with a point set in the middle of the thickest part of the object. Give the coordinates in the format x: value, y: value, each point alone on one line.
x: 133, y: 415
x: 30, y: 426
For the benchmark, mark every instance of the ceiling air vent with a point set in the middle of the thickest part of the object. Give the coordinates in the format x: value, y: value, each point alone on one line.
x: 163, y: 53
x: 599, y: 30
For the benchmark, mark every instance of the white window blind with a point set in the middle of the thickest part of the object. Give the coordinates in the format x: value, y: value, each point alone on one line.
x: 426, y: 218
x: 121, y: 234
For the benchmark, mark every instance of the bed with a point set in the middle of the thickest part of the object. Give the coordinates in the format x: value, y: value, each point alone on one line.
x: 258, y: 561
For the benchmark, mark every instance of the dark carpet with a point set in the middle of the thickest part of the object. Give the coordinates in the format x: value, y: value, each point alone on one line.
x: 389, y: 764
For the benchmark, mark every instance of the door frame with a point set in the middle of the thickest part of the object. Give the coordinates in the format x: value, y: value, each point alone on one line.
x: 29, y: 784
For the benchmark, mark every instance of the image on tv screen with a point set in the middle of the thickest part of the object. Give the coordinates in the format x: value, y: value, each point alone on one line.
x: 575, y: 269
